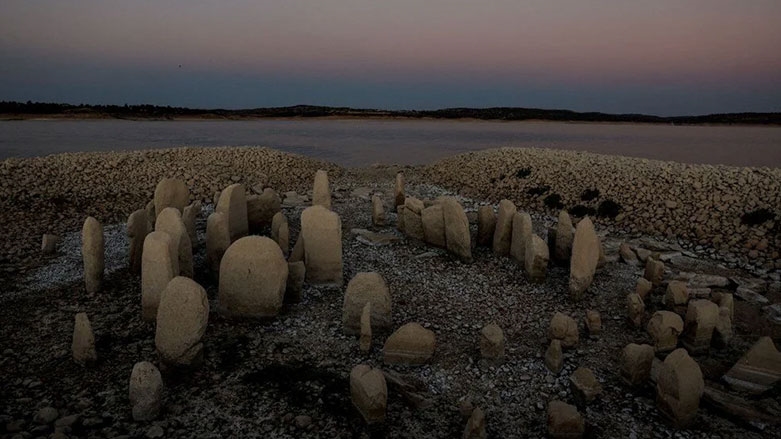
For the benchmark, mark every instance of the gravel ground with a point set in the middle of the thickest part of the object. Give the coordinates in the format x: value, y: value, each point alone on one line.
x: 288, y: 377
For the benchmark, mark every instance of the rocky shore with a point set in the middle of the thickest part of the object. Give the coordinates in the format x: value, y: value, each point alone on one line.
x: 290, y: 375
x: 732, y: 213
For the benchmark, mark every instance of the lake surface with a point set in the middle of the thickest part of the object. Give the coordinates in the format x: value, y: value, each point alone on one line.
x: 364, y: 142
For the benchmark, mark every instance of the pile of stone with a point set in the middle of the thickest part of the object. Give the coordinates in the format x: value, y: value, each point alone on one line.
x: 441, y: 223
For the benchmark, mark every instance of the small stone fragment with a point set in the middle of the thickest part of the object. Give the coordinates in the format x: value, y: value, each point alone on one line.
x: 635, y: 309
x: 636, y: 361
x: 400, y: 218
x: 679, y: 388
x: 93, y: 254
x: 486, y: 225
x: 369, y: 393
x: 46, y: 416
x: 410, y: 344
x: 584, y: 385
x: 554, y: 358
x: 654, y: 271
x: 475, y: 426
x: 492, y: 342
x: 759, y: 370
x: 564, y: 328
x: 83, y: 345
x: 664, y: 328
x: 504, y: 228
x: 593, y: 322
x: 49, y: 243
x: 321, y: 193
x: 564, y: 421
x: 378, y: 212
x: 722, y: 333
x: 536, y: 259
x: 146, y: 391
x: 362, y: 289
x: 643, y: 288
x: 627, y: 255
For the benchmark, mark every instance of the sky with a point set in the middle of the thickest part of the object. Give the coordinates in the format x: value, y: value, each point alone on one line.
x: 664, y: 57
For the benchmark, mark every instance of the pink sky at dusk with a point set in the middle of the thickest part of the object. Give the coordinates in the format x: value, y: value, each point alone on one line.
x: 529, y: 46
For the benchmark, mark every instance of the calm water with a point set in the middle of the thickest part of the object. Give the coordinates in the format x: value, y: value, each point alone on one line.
x: 364, y: 142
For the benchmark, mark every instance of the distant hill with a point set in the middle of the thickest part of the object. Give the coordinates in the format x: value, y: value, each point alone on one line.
x: 28, y: 110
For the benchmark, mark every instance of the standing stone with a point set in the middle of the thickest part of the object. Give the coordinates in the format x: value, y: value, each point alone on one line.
x: 536, y: 259
x: 722, y: 333
x: 504, y: 228
x: 322, y: 233
x: 400, y: 218
x: 759, y: 370
x: 486, y: 226
x: 492, y: 342
x: 564, y: 238
x: 93, y: 253
x: 627, y: 255
x: 679, y: 388
x: 413, y: 224
x: 433, y: 221
x: 146, y: 391
x: 151, y: 215
x: 584, y: 385
x: 676, y: 296
x: 398, y: 190
x: 664, y: 328
x: 170, y: 221
x: 475, y: 426
x: 138, y: 227
x: 378, y: 211
x: 181, y: 322
x: 49, y: 244
x: 564, y: 421
x: 654, y: 271
x: 83, y: 345
x: 585, y: 257
x: 262, y: 208
x: 643, y: 287
x: 321, y: 193
x: 171, y: 192
x: 296, y: 273
x: 635, y: 309
x: 459, y: 242
x: 366, y: 327
x: 636, y: 361
x: 159, y: 264
x: 189, y: 217
x: 253, y: 278
x: 410, y: 344
x: 563, y: 327
x: 217, y: 240
x: 233, y: 204
x: 593, y: 323
x: 725, y: 300
x: 280, y: 232
x: 701, y: 318
x: 297, y: 253
x: 554, y: 358
x: 362, y: 289
x: 521, y: 236
x: 369, y: 393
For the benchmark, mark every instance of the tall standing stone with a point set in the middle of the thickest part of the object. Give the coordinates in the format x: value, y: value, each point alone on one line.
x: 233, y: 204
x: 218, y: 240
x: 504, y: 228
x: 170, y: 221
x: 536, y: 259
x: 138, y: 227
x: 159, y: 264
x: 280, y: 232
x: 189, y: 217
x: 457, y: 237
x: 262, y: 208
x: 636, y: 362
x: 321, y: 193
x: 171, y: 192
x: 362, y: 289
x: 83, y: 345
x: 146, y: 391
x: 378, y: 211
x: 679, y: 388
x: 181, y: 322
x: 486, y: 226
x: 253, y: 277
x: 564, y: 238
x: 93, y: 253
x: 521, y: 236
x: 413, y: 223
x: 585, y: 256
x: 369, y: 393
x: 433, y: 221
x: 322, y: 232
x: 398, y: 190
x: 554, y: 358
